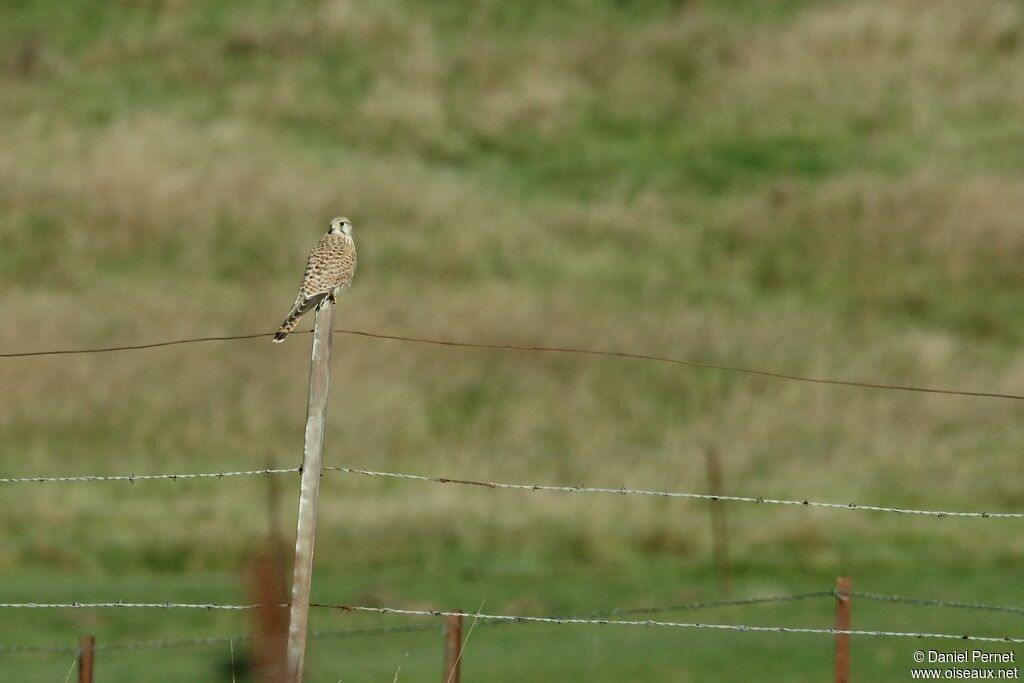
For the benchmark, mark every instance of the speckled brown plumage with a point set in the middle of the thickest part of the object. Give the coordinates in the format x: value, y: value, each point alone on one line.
x: 330, y: 268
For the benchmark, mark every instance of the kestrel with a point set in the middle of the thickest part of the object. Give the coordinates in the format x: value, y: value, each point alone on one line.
x: 330, y: 268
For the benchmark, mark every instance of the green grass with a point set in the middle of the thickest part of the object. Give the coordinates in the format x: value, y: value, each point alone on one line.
x: 518, y: 584
x: 820, y: 188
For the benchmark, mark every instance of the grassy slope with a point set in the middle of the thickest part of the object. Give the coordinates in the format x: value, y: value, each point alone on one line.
x: 823, y: 188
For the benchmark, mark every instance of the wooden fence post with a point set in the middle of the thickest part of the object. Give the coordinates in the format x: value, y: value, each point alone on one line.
x: 719, y: 530
x: 309, y: 492
x: 843, y: 587
x: 85, y: 656
x: 453, y: 648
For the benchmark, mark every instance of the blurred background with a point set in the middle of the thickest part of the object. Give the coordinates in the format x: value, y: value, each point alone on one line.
x: 822, y: 188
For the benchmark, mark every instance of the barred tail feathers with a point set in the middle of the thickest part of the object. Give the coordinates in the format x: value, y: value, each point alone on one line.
x: 292, y: 319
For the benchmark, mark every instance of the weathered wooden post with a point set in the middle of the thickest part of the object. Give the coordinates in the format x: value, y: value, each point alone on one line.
x: 843, y: 587
x: 86, y: 645
x: 452, y: 648
x: 309, y: 492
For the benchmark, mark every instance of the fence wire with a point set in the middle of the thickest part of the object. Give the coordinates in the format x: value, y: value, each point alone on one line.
x: 541, y: 349
x: 132, y: 478
x: 538, y: 620
x: 596, y: 617
x: 899, y: 599
x: 129, y: 605
x: 209, y: 641
x: 669, y: 624
x: 388, y: 630
x: 623, y: 491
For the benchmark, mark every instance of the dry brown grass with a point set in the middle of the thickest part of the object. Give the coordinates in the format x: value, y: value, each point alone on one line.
x: 169, y: 225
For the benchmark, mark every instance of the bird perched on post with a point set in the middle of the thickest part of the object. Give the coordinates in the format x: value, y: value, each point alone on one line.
x: 330, y: 268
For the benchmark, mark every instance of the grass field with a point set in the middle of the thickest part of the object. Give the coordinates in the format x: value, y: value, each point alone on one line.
x: 821, y: 188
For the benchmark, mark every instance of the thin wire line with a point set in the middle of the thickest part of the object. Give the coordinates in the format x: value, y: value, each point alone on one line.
x: 388, y: 630
x: 672, y: 494
x: 211, y: 640
x: 628, y: 611
x: 898, y: 599
x: 38, y: 649
x: 127, y: 605
x: 138, y: 347
x: 670, y: 624
x: 543, y: 349
x: 739, y: 602
x: 682, y: 361
x: 591, y: 618
x: 131, y: 478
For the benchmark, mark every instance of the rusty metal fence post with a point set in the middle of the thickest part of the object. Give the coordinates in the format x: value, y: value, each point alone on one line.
x: 452, y: 648
x: 309, y: 492
x: 270, y: 621
x: 86, y: 645
x: 843, y: 587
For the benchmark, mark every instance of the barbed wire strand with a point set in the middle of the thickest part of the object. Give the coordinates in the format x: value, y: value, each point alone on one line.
x: 899, y: 599
x: 131, y: 478
x: 668, y: 624
x: 686, y: 606
x: 210, y: 640
x: 585, y: 617
x: 623, y: 491
x: 129, y: 605
x: 541, y: 349
x: 386, y: 630
x: 248, y: 606
x: 39, y: 649
x: 534, y: 620
x: 220, y: 640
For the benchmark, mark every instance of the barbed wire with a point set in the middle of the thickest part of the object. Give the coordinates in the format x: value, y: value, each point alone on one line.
x: 386, y: 630
x: 220, y: 640
x: 210, y: 606
x: 737, y: 602
x: 132, y: 478
x: 667, y: 624
x: 623, y: 491
x: 899, y: 599
x: 129, y: 605
x: 527, y: 619
x: 39, y: 649
x: 540, y: 349
x: 682, y: 607
x: 587, y: 618
x: 209, y: 641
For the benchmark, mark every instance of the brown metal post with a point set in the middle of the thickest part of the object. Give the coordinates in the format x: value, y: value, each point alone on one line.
x: 719, y: 529
x: 85, y: 655
x: 309, y: 491
x: 453, y: 648
x: 843, y: 587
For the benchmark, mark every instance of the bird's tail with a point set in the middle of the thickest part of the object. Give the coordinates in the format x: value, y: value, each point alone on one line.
x: 294, y: 315
x: 287, y: 326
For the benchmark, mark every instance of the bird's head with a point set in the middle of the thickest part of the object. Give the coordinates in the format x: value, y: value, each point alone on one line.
x: 341, y: 226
